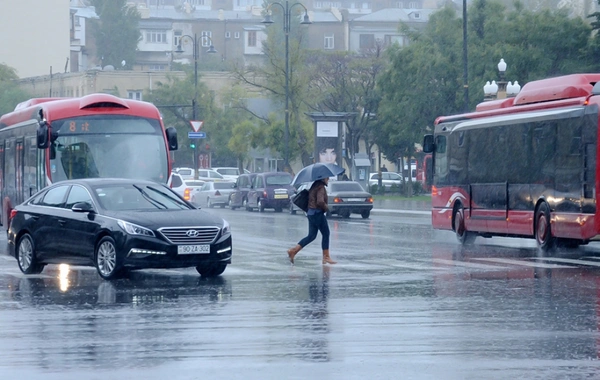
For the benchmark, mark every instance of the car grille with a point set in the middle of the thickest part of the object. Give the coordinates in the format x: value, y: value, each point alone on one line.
x: 190, y: 235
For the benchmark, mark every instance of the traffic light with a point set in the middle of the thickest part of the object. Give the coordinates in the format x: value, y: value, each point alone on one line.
x: 193, y: 145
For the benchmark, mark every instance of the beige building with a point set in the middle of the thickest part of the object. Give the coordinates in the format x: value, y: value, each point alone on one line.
x: 35, y: 36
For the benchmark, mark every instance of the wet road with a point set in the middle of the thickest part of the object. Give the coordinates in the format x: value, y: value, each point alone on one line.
x: 404, y: 302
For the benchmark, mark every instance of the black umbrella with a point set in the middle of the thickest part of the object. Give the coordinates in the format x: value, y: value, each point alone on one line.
x: 317, y: 171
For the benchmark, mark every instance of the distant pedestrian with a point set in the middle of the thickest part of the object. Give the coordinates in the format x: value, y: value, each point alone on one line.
x: 383, y: 168
x: 317, y: 221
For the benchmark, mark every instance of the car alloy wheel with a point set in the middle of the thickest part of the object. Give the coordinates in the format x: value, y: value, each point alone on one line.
x: 106, y: 258
x: 26, y: 256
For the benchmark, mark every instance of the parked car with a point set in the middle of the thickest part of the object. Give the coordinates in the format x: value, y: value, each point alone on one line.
x: 116, y: 225
x: 348, y: 197
x: 239, y: 196
x: 387, y: 179
x: 293, y: 207
x: 270, y: 190
x: 185, y: 188
x: 209, y: 175
x: 185, y: 173
x: 213, y: 194
x: 229, y: 173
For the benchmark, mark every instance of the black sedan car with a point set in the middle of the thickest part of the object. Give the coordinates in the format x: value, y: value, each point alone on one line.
x: 116, y: 225
x: 348, y: 197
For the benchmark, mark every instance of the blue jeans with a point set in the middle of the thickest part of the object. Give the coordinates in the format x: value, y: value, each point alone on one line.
x: 317, y: 222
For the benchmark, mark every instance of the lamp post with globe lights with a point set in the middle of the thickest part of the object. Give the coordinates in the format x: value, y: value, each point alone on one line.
x: 500, y: 89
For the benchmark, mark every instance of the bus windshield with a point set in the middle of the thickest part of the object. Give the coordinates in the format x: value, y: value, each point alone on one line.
x: 108, y: 146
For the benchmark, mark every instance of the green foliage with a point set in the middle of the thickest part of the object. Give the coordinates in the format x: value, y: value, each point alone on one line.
x: 10, y: 93
x: 425, y: 78
x: 117, y: 33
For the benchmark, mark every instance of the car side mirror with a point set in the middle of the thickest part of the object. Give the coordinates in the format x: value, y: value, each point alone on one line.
x: 82, y: 207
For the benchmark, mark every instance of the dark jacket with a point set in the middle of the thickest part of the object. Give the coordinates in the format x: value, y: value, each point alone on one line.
x: 317, y: 196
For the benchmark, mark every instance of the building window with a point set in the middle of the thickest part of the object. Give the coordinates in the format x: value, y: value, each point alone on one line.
x: 366, y: 5
x: 177, y: 37
x: 157, y: 67
x: 227, y: 34
x: 236, y: 35
x: 412, y: 5
x: 135, y: 95
x: 400, y: 4
x: 77, y: 21
x: 329, y: 42
x: 318, y: 5
x: 366, y: 41
x: 206, y: 39
x: 156, y: 36
x: 252, y: 38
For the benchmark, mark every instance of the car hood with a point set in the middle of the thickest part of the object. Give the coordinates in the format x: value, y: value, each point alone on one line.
x: 171, y: 218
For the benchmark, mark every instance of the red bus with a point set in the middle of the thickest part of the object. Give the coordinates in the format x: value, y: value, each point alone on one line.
x: 46, y: 140
x: 522, y: 166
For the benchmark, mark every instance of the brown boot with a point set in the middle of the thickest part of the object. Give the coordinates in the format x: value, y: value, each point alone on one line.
x: 326, y: 258
x: 292, y: 252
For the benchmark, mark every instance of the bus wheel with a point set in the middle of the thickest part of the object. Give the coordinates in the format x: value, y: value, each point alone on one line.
x: 462, y: 235
x: 543, y: 230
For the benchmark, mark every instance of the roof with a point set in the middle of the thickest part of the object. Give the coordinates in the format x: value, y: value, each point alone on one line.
x: 397, y: 15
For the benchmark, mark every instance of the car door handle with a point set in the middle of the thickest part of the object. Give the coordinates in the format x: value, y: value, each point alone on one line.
x: 62, y: 222
x: 34, y: 217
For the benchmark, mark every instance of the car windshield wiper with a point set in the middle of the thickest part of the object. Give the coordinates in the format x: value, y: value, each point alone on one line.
x: 175, y: 200
x: 156, y: 203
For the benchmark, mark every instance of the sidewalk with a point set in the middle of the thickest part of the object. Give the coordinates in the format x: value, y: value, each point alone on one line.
x: 388, y: 206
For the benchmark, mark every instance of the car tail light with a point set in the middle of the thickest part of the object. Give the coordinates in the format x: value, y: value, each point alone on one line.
x: 265, y: 194
x: 186, y: 193
x: 370, y: 199
x: 217, y: 193
x: 13, y: 213
x: 337, y: 200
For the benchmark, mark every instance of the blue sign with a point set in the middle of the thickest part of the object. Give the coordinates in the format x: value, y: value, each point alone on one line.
x: 196, y: 135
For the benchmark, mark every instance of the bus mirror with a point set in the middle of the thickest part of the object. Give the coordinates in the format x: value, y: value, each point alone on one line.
x: 172, y: 138
x: 428, y: 144
x: 42, y: 135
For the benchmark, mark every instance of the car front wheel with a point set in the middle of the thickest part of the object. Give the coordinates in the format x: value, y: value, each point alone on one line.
x: 26, y: 256
x: 106, y: 258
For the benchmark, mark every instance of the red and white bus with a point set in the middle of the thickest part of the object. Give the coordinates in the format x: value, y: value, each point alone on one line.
x: 523, y: 166
x: 46, y: 140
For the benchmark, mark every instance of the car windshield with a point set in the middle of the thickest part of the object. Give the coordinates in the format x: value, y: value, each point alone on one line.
x: 222, y: 185
x: 279, y: 180
x: 133, y: 197
x: 345, y: 186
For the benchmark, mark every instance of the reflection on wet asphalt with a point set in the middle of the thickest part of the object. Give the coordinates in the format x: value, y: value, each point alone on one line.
x: 404, y: 302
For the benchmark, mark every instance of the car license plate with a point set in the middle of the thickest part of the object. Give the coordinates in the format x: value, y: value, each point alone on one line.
x: 355, y: 199
x: 192, y: 249
x: 281, y: 196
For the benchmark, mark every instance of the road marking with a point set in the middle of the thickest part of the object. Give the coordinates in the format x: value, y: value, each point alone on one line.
x: 467, y: 264
x: 568, y: 261
x: 523, y: 263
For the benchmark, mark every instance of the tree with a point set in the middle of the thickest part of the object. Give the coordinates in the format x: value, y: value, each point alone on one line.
x: 10, y: 93
x: 117, y: 32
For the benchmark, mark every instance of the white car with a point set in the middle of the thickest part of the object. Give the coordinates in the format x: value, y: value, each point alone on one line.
x: 213, y: 194
x: 209, y: 175
x: 387, y: 179
x: 185, y: 188
x: 229, y: 173
x: 185, y: 173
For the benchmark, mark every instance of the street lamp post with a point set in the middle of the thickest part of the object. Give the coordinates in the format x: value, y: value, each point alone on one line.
x: 287, y: 8
x: 211, y: 50
x: 500, y: 89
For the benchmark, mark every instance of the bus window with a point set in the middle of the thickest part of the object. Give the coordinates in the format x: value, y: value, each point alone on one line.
x: 441, y: 160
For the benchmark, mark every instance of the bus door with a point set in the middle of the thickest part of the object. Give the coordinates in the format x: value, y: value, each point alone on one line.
x: 19, y: 170
x: 489, y: 206
x: 30, y: 153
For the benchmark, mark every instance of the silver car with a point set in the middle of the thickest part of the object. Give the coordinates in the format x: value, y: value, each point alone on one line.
x: 387, y: 179
x: 213, y: 194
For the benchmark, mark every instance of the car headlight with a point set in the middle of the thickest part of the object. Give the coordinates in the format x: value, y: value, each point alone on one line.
x: 225, y: 230
x: 134, y: 229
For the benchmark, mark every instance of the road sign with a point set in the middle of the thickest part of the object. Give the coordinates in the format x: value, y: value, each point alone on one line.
x: 196, y: 125
x: 196, y: 135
